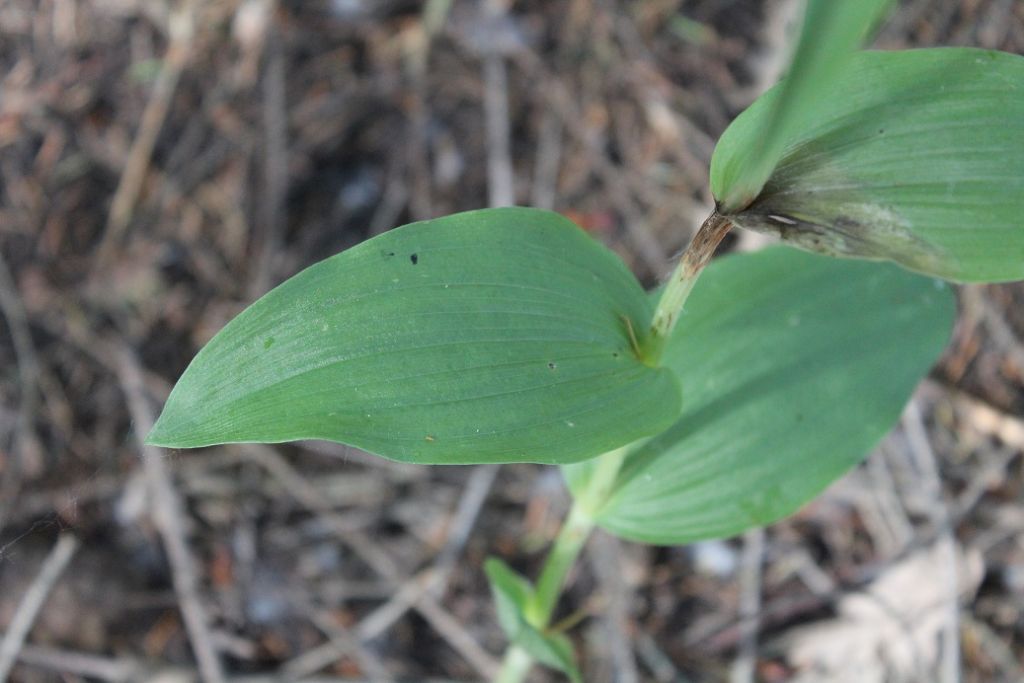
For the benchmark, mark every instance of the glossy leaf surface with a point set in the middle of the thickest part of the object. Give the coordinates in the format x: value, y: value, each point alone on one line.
x: 830, y: 33
x: 910, y: 156
x: 512, y: 593
x: 795, y: 365
x: 489, y: 336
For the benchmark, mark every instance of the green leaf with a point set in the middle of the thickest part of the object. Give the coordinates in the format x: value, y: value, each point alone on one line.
x: 796, y: 365
x: 488, y: 336
x: 911, y: 156
x: 512, y: 594
x: 831, y: 32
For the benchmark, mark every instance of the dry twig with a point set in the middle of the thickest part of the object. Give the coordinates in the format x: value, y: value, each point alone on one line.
x: 28, y: 383
x: 342, y: 640
x: 420, y: 590
x: 618, y: 182
x: 1002, y: 334
x: 181, y: 27
x: 604, y: 555
x: 33, y: 601
x: 168, y: 517
x: 750, y: 605
x: 925, y: 461
x: 80, y: 664
x: 499, y: 159
x: 549, y: 151
x: 411, y: 593
x: 271, y: 220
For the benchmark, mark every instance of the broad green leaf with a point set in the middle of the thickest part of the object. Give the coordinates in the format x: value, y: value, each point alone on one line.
x: 512, y: 593
x: 796, y: 365
x: 489, y: 336
x: 831, y: 31
x: 913, y: 156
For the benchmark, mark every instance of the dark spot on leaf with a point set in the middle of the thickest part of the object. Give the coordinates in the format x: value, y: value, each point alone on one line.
x: 881, y: 130
x: 414, y: 258
x: 551, y: 365
x: 387, y: 254
x: 268, y: 342
x: 615, y: 354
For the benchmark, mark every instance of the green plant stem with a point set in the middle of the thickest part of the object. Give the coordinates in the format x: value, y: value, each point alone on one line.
x: 601, y: 481
x: 697, y: 255
x: 561, y: 558
x: 574, y: 534
x: 587, y: 504
x: 514, y: 666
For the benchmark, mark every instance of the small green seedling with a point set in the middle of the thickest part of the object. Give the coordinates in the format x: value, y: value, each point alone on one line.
x: 509, y: 335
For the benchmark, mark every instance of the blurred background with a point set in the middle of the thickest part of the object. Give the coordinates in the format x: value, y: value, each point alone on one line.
x: 163, y: 163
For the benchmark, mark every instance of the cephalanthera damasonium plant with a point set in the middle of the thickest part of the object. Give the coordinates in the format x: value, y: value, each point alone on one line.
x: 509, y: 335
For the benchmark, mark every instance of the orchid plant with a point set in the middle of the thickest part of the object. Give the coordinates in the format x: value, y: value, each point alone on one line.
x: 687, y: 413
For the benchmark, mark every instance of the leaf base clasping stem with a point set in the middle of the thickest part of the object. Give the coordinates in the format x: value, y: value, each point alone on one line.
x: 580, y: 521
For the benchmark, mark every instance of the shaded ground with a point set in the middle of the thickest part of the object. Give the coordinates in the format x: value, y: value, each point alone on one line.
x: 161, y: 165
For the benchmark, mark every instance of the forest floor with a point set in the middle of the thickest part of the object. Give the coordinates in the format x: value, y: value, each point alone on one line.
x: 164, y: 163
